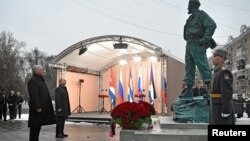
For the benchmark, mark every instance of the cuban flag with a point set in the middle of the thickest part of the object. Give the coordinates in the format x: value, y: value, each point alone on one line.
x: 130, y: 88
x: 151, y: 92
x: 112, y: 88
x: 140, y: 88
x: 120, y: 96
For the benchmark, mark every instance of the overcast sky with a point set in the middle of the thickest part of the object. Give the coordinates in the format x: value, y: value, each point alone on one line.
x: 54, y: 25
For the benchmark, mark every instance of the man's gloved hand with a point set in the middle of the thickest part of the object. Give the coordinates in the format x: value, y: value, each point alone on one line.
x: 223, y: 115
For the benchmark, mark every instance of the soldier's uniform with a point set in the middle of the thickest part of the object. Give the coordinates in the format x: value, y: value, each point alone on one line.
x: 222, y: 111
x: 248, y: 107
x: 198, y: 32
x: 239, y: 106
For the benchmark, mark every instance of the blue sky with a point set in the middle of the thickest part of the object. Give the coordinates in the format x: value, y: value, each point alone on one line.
x: 54, y: 25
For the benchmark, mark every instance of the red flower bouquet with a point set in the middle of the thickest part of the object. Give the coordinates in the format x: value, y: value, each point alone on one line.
x: 133, y: 115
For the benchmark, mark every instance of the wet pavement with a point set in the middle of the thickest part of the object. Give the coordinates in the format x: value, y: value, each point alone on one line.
x: 18, y: 130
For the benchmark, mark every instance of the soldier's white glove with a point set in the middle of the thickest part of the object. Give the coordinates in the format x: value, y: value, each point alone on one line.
x: 224, y: 115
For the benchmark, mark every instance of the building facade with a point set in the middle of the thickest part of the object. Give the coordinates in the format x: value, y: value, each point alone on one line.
x: 239, y: 61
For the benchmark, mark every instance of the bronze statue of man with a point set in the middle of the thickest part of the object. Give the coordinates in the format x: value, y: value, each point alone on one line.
x: 198, y: 32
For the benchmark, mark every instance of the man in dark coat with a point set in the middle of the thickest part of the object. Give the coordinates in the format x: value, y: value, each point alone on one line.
x: 222, y: 91
x: 12, y: 105
x: 40, y: 108
x: 199, y: 90
x: 62, y: 108
x: 19, y: 101
x: 239, y: 106
x: 247, y: 101
x: 4, y: 101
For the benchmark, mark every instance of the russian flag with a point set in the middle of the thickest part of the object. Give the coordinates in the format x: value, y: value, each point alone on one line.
x: 120, y: 96
x: 152, y: 92
x: 140, y: 84
x: 112, y: 88
x: 130, y: 87
x: 164, y: 91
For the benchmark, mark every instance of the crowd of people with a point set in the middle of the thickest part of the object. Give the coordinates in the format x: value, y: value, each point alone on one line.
x: 11, y: 102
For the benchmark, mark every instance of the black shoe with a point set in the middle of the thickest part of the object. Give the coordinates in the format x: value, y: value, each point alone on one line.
x: 59, y: 136
x: 65, y: 135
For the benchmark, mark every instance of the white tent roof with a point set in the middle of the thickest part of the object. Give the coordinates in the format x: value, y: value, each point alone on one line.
x: 101, y: 54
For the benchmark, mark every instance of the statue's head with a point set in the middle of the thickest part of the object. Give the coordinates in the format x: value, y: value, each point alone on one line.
x: 193, y: 6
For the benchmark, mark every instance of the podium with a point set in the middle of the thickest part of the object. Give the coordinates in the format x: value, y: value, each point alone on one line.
x: 140, y: 96
x: 102, y: 97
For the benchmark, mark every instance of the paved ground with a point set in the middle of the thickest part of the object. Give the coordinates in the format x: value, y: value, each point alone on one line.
x: 18, y: 130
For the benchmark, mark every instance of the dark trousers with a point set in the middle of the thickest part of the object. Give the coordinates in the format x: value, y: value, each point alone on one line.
x: 60, y: 122
x: 19, y: 111
x: 3, y: 113
x: 12, y: 112
x: 34, y: 133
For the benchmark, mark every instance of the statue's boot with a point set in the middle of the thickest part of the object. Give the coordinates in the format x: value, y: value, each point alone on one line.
x: 188, y: 92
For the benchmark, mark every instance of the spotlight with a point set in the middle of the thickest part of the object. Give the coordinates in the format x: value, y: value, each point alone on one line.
x: 120, y: 45
x: 82, y: 50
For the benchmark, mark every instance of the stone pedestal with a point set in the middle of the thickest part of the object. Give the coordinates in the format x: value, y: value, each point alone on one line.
x: 168, y: 130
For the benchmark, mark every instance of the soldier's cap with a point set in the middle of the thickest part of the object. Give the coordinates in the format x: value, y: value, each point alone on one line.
x: 221, y: 53
x: 195, y: 1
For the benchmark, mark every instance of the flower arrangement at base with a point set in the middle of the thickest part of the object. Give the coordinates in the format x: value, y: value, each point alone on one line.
x: 133, y: 115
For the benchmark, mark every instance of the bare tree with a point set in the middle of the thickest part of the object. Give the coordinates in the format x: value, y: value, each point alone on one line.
x: 10, y: 48
x: 38, y: 57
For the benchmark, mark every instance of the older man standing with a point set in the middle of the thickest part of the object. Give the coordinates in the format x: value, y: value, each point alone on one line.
x: 40, y: 108
x: 62, y: 108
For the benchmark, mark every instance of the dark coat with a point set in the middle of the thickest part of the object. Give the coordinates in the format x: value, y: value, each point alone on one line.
x: 199, y: 92
x: 39, y: 98
x: 12, y: 101
x: 248, y: 108
x: 239, y: 105
x: 222, y: 83
x: 62, y: 101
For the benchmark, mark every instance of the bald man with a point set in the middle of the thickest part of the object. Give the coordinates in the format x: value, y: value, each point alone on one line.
x: 62, y: 108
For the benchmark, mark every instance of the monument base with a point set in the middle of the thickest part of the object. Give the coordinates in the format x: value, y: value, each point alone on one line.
x: 168, y: 130
x: 191, y: 109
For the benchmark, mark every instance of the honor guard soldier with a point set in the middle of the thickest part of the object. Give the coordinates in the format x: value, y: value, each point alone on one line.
x: 222, y: 91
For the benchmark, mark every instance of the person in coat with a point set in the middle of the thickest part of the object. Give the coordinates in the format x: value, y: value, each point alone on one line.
x: 41, y: 111
x: 12, y: 105
x: 4, y: 101
x: 199, y: 90
x: 19, y: 102
x: 222, y: 112
x: 62, y: 108
x: 247, y: 101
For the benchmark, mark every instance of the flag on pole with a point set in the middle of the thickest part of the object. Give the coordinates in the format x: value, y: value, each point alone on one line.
x: 140, y: 88
x: 164, y: 91
x: 130, y: 87
x: 152, y: 92
x: 120, y: 96
x: 112, y: 88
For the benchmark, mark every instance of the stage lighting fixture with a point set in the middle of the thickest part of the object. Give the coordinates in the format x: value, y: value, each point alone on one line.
x: 82, y: 50
x: 120, y: 45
